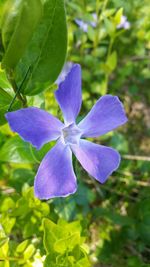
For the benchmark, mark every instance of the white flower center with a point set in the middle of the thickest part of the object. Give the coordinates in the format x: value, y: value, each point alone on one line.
x: 71, y: 134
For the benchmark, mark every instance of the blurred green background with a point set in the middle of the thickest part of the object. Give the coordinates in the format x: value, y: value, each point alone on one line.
x: 114, y: 218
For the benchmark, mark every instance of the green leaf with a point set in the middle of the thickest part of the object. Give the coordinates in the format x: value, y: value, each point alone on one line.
x: 7, y: 204
x: 47, y: 50
x: 5, y: 100
x: 83, y: 262
x: 4, y: 249
x: 39, y: 154
x: 111, y: 62
x: 110, y: 27
x: 71, y: 227
x: 22, y: 246
x: 4, y: 83
x: 8, y: 223
x: 50, y: 260
x: 3, y: 241
x: 67, y: 243
x: 7, y: 264
x: 59, y: 237
x: 2, y: 114
x: 118, y: 15
x: 63, y: 238
x: 120, y: 142
x: 28, y: 253
x: 21, y: 176
x: 19, y: 21
x: 52, y: 233
x: 15, y: 150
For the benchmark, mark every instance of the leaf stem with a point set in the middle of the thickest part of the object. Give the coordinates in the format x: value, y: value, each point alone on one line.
x: 136, y: 157
x: 17, y: 90
x: 10, y: 259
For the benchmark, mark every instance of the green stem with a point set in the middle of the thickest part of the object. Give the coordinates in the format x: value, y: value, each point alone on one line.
x: 84, y: 5
x: 105, y: 4
x: 15, y: 87
x: 16, y: 90
x: 13, y: 100
x: 110, y: 47
x: 96, y: 40
x: 10, y: 259
x: 108, y: 54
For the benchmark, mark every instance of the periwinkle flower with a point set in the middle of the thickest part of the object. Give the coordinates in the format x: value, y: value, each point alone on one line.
x: 95, y: 20
x: 124, y: 23
x: 55, y: 176
x: 84, y: 25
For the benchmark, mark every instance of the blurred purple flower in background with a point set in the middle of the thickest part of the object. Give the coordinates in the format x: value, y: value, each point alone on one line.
x: 95, y: 19
x: 55, y: 176
x: 84, y: 25
x: 124, y: 23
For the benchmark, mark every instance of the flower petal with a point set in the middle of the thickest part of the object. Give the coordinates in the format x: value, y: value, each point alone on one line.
x: 107, y: 114
x: 66, y: 69
x: 69, y: 95
x: 55, y: 176
x: 99, y: 161
x: 34, y: 125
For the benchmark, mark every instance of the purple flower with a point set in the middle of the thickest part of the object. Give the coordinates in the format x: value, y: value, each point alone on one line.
x: 95, y: 20
x: 124, y: 23
x: 55, y: 176
x: 84, y: 25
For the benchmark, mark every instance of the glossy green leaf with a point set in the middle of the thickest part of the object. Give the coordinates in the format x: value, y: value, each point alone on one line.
x: 118, y: 15
x: 46, y: 53
x: 4, y: 249
x: 28, y: 253
x: 22, y: 246
x: 61, y: 236
x: 19, y: 21
x: 15, y: 150
x: 52, y: 233
x: 3, y: 241
x: 8, y: 223
x: 67, y: 243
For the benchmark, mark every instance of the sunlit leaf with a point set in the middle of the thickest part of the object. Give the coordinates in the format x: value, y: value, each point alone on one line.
x: 46, y: 53
x: 19, y: 21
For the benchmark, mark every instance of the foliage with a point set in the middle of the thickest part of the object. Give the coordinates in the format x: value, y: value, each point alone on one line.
x: 101, y: 225
x: 22, y: 231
